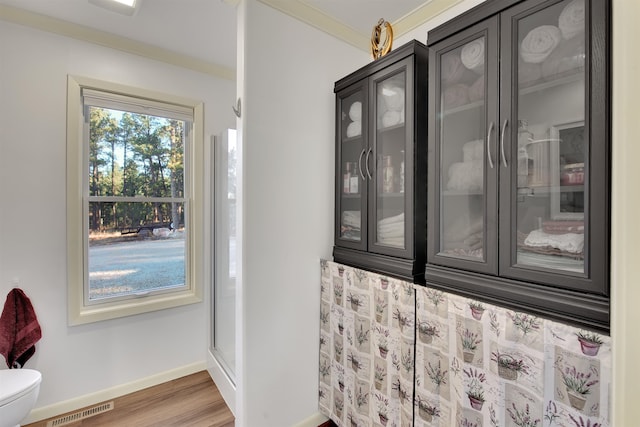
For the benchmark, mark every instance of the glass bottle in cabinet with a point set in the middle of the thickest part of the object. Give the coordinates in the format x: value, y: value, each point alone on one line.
x: 522, y: 88
x: 383, y: 225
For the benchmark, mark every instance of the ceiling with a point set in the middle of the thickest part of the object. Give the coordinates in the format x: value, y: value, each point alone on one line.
x: 205, y: 30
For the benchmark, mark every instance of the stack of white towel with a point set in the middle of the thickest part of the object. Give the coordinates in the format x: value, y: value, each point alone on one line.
x: 571, y: 243
x: 548, y: 50
x: 355, y: 114
x: 390, y: 104
x: 472, y: 55
x: 350, y: 225
x: 468, y: 174
x: 460, y: 75
x: 391, y: 231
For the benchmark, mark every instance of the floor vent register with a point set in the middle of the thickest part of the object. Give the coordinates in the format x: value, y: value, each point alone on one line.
x: 81, y: 415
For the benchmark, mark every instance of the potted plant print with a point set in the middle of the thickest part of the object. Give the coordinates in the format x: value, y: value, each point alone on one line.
x: 338, y: 289
x: 467, y: 423
x: 525, y: 322
x: 381, y: 304
x: 356, y: 301
x: 437, y: 375
x: 378, y: 376
x: 522, y: 418
x: 470, y: 341
x: 383, y: 349
x: 338, y: 406
x: 340, y: 327
x: 337, y: 349
x: 361, y: 276
x: 384, y: 283
x: 403, y: 320
x: 355, y: 363
x: 578, y: 386
x: 426, y: 410
x: 580, y: 422
x: 477, y: 309
x: 340, y: 271
x: 362, y: 336
x: 383, y: 409
x: 475, y: 391
x: 589, y: 343
x: 508, y: 366
x: 426, y: 332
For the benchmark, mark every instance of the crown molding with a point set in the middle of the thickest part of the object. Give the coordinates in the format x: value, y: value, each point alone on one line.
x: 102, y: 38
x: 316, y: 18
x: 303, y: 11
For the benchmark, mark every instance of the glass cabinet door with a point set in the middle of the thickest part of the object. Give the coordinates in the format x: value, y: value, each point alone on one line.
x: 549, y: 142
x: 391, y: 193
x: 352, y: 166
x: 465, y: 160
x: 390, y: 161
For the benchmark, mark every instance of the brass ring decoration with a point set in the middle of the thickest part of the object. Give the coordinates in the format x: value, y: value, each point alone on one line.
x: 380, y: 47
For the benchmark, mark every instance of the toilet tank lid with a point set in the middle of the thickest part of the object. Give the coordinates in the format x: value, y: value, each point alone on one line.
x: 15, y: 382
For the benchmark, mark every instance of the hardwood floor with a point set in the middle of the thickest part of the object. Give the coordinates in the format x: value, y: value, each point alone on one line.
x: 192, y: 401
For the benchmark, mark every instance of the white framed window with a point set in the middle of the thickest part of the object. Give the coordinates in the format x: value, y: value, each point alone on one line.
x: 134, y: 200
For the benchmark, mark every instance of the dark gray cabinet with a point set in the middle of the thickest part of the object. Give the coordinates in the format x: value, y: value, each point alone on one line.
x: 380, y: 164
x: 519, y: 152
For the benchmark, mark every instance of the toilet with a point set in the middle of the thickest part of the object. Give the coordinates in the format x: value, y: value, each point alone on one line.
x: 18, y: 394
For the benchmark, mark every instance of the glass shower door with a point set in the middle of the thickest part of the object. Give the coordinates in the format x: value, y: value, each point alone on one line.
x: 224, y: 289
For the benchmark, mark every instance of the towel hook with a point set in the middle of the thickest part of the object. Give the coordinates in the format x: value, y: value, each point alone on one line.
x: 238, y: 108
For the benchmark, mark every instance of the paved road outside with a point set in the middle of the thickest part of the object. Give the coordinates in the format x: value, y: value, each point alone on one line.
x: 138, y: 266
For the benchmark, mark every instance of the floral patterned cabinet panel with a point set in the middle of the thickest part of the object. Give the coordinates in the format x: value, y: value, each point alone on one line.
x: 471, y: 364
x: 367, y: 348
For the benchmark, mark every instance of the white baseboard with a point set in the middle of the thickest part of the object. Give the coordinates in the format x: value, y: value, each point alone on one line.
x: 222, y: 381
x: 313, y: 421
x: 56, y: 409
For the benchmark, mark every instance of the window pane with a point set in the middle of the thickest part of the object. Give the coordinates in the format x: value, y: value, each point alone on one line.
x: 136, y: 247
x: 135, y: 154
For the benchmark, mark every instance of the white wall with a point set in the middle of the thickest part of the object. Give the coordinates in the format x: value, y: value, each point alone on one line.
x: 288, y: 150
x: 76, y: 361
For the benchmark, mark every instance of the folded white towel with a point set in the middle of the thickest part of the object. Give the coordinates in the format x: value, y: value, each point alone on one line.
x: 392, y: 241
x: 528, y: 72
x: 451, y: 68
x: 466, y: 176
x: 391, y: 230
x: 569, y: 55
x: 392, y: 118
x: 355, y: 111
x: 571, y: 20
x: 456, y: 95
x: 570, y: 242
x: 354, y: 129
x: 538, y: 44
x: 396, y: 219
x: 391, y: 234
x: 351, y: 218
x: 472, y: 55
x: 393, y: 96
x: 473, y: 150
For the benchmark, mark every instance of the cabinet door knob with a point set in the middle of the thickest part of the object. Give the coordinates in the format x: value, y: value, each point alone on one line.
x: 489, y: 145
x: 504, y: 127
x: 366, y: 163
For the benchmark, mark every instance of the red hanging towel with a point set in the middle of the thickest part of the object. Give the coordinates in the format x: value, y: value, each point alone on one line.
x: 19, y: 329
